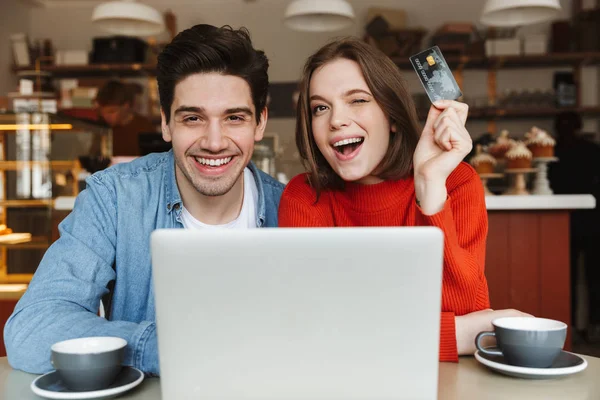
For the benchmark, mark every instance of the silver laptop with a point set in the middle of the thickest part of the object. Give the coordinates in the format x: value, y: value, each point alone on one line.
x: 303, y: 314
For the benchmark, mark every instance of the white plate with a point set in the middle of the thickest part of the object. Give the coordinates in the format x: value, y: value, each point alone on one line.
x: 50, y: 386
x: 565, y: 364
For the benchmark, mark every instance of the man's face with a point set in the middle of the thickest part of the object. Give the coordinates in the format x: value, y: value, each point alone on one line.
x: 113, y: 114
x: 212, y: 129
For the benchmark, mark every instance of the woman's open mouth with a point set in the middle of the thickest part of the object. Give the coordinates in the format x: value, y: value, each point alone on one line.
x: 347, y: 149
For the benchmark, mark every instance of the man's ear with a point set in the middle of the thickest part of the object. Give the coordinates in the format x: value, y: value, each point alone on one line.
x: 166, y: 132
x: 262, y: 124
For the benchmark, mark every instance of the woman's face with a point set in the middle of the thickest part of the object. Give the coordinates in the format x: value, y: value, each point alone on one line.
x: 349, y: 127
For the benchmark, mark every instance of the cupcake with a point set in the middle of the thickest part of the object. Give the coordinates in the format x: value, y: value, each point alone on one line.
x: 483, y: 162
x: 502, y: 145
x: 518, y: 156
x: 540, y: 143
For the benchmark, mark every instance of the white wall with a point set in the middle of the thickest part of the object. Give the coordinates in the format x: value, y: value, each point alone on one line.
x: 14, y: 18
x: 288, y: 50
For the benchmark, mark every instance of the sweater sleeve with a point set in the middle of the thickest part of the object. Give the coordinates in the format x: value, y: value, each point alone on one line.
x: 448, y: 345
x: 464, y: 223
x: 299, y: 207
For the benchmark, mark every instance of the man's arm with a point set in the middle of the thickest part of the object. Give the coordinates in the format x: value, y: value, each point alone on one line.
x: 64, y: 295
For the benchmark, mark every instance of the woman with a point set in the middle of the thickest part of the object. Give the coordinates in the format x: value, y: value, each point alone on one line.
x: 370, y: 165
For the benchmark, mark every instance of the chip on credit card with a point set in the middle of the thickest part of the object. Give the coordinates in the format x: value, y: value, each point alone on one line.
x: 435, y: 75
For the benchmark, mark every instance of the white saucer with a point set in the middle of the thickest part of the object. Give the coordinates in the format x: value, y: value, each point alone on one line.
x: 565, y: 364
x: 50, y: 386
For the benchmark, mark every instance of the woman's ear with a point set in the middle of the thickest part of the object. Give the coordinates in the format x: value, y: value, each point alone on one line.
x: 393, y: 127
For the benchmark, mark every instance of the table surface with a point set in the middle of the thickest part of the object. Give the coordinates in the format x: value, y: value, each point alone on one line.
x: 465, y: 380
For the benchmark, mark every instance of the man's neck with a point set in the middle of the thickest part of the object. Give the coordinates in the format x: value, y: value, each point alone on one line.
x: 212, y: 210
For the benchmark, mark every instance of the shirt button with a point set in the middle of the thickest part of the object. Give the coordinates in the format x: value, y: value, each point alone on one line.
x: 176, y: 207
x: 168, y: 206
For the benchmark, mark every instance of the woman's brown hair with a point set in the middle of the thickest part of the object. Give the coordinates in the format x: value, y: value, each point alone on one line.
x: 389, y: 90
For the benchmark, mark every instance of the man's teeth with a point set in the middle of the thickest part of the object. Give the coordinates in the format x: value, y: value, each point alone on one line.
x: 212, y: 162
x: 347, y: 141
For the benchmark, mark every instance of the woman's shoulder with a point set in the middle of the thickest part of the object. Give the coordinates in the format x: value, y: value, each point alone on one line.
x: 299, y: 189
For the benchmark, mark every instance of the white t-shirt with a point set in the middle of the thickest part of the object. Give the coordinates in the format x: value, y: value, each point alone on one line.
x: 247, y: 217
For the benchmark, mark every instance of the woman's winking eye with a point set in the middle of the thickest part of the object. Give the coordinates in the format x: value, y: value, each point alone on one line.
x: 319, y: 109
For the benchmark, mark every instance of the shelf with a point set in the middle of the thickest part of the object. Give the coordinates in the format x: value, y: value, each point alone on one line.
x: 13, y: 278
x: 15, y: 165
x: 36, y: 242
x: 516, y: 113
x: 26, y: 203
x: 12, y: 292
x: 540, y: 112
x: 95, y: 70
x: 467, y: 62
x: 523, y: 61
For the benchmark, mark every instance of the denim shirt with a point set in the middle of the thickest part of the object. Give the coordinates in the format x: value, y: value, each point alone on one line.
x: 107, y: 238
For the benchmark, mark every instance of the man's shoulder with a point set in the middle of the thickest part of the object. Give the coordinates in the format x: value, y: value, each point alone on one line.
x: 143, y: 167
x: 269, y: 182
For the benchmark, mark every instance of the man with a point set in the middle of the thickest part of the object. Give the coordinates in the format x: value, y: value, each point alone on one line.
x: 115, y: 106
x: 213, y: 88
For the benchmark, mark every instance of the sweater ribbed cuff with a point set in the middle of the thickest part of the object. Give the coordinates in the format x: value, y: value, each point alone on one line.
x: 448, y: 347
x: 440, y: 219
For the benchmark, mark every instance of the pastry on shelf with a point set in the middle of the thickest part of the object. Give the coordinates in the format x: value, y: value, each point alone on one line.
x: 518, y: 157
x: 483, y: 162
x: 4, y: 230
x: 503, y: 144
x: 540, y: 143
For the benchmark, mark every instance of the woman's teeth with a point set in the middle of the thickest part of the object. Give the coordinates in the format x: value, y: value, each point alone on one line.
x: 347, y: 141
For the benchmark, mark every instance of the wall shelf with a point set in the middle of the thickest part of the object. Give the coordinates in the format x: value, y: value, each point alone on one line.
x: 15, y: 165
x: 94, y: 70
x: 34, y: 243
x: 26, y: 203
x: 550, y: 60
x: 523, y: 113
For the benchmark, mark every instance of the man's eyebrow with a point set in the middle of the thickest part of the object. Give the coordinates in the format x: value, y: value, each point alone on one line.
x: 183, y: 109
x: 243, y: 110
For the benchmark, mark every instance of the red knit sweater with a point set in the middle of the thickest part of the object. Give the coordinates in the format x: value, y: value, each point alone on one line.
x: 392, y: 203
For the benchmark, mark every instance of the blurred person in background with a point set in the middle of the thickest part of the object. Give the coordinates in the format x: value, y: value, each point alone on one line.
x: 115, y: 103
x: 578, y: 172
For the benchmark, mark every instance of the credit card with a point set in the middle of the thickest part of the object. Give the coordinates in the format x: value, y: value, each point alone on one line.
x: 435, y: 75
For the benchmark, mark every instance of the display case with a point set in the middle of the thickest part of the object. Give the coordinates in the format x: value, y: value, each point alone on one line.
x: 39, y: 161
